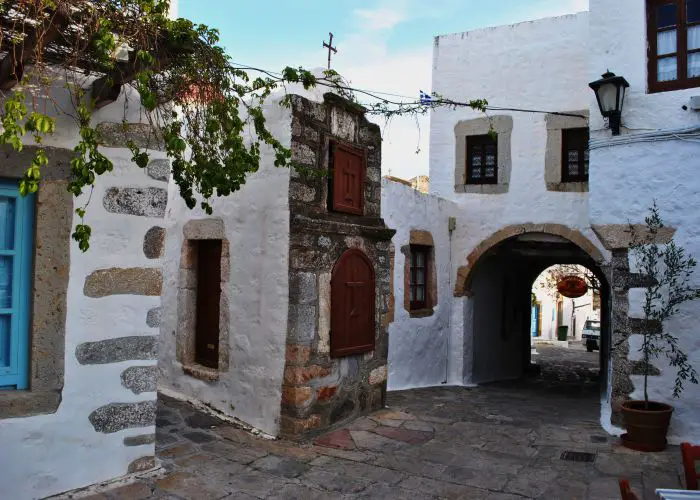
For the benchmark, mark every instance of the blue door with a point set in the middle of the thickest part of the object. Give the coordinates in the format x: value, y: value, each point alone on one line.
x: 535, y: 321
x: 16, y: 250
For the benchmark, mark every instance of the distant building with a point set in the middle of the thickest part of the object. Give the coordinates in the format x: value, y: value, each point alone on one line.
x: 398, y: 179
x: 421, y: 183
x: 550, y: 310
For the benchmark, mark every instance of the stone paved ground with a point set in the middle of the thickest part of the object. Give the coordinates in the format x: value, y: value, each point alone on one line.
x: 497, y: 442
x: 571, y: 369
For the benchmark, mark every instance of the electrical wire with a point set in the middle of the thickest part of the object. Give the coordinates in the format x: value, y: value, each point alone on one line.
x: 689, y: 134
x: 520, y: 110
x: 375, y: 94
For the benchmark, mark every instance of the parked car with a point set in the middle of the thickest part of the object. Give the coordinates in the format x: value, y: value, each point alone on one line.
x: 591, y: 335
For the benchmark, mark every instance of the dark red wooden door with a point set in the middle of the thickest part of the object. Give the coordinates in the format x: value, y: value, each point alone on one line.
x: 208, y: 298
x: 348, y: 180
x: 352, y: 305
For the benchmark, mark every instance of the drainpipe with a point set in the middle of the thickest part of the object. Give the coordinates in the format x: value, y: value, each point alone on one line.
x: 451, y: 225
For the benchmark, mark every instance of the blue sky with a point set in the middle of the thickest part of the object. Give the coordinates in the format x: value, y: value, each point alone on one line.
x: 382, y: 44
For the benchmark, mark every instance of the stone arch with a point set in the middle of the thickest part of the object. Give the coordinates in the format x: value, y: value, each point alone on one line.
x: 464, y: 273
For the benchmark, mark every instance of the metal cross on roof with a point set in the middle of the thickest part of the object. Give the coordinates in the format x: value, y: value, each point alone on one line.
x: 330, y: 48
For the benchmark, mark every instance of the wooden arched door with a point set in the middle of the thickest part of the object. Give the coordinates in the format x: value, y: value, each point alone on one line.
x: 352, y: 305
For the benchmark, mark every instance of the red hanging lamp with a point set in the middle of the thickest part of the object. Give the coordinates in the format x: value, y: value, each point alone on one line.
x: 572, y: 286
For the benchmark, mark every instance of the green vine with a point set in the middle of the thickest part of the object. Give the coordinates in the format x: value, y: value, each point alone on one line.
x: 18, y: 121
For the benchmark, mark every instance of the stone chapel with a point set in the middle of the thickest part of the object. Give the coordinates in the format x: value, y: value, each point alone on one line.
x: 275, y: 310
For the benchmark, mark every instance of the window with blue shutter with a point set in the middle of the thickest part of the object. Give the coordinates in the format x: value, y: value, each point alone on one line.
x: 16, y: 251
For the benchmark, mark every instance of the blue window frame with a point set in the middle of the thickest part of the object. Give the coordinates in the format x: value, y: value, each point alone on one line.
x: 535, y: 320
x: 16, y: 252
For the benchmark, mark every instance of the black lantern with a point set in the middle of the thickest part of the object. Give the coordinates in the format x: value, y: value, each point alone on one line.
x: 610, y: 92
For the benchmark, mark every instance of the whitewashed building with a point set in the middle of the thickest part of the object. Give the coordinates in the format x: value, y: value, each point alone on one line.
x: 514, y: 188
x: 79, y: 371
x: 284, y: 247
x: 655, y: 157
x: 516, y: 191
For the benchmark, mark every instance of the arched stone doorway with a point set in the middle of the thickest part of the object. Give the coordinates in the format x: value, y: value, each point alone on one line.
x: 497, y: 281
x: 573, y: 236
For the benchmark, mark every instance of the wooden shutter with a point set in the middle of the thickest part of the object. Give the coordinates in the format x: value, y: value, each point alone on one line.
x: 352, y: 305
x: 482, y: 160
x: 208, y: 298
x: 574, y: 155
x: 348, y: 179
x: 418, y: 280
x: 16, y: 252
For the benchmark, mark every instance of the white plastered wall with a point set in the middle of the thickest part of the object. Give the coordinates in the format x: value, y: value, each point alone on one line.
x: 418, y: 347
x: 256, y: 224
x: 540, y: 65
x: 49, y: 454
x: 626, y: 178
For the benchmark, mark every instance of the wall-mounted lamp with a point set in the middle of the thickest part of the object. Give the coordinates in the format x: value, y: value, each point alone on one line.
x: 610, y: 92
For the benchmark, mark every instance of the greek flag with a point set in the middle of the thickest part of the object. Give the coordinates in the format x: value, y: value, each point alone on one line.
x: 425, y: 98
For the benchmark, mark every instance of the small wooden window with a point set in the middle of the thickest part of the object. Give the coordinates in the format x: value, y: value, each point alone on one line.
x: 348, y: 179
x: 352, y: 305
x: 574, y: 157
x: 673, y: 31
x: 208, y: 298
x: 482, y: 160
x: 418, y: 280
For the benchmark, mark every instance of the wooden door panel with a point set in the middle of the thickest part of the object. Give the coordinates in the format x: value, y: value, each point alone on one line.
x: 348, y: 179
x: 352, y: 305
x: 208, y: 298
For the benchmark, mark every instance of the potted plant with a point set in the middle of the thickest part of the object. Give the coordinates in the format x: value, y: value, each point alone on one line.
x: 667, y: 271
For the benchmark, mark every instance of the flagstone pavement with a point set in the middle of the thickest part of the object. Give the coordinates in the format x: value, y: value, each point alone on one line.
x: 500, y: 441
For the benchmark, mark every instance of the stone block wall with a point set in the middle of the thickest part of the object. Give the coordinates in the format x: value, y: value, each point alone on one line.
x: 127, y: 276
x: 318, y: 390
x: 620, y: 384
x: 624, y: 325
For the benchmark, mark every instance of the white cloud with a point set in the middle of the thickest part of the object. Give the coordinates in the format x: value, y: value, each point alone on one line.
x: 367, y: 63
x: 580, y: 5
x: 404, y: 73
x: 384, y: 18
x: 390, y: 13
x: 560, y: 8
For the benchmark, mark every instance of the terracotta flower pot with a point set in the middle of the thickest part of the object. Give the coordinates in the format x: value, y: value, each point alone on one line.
x: 647, y: 425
